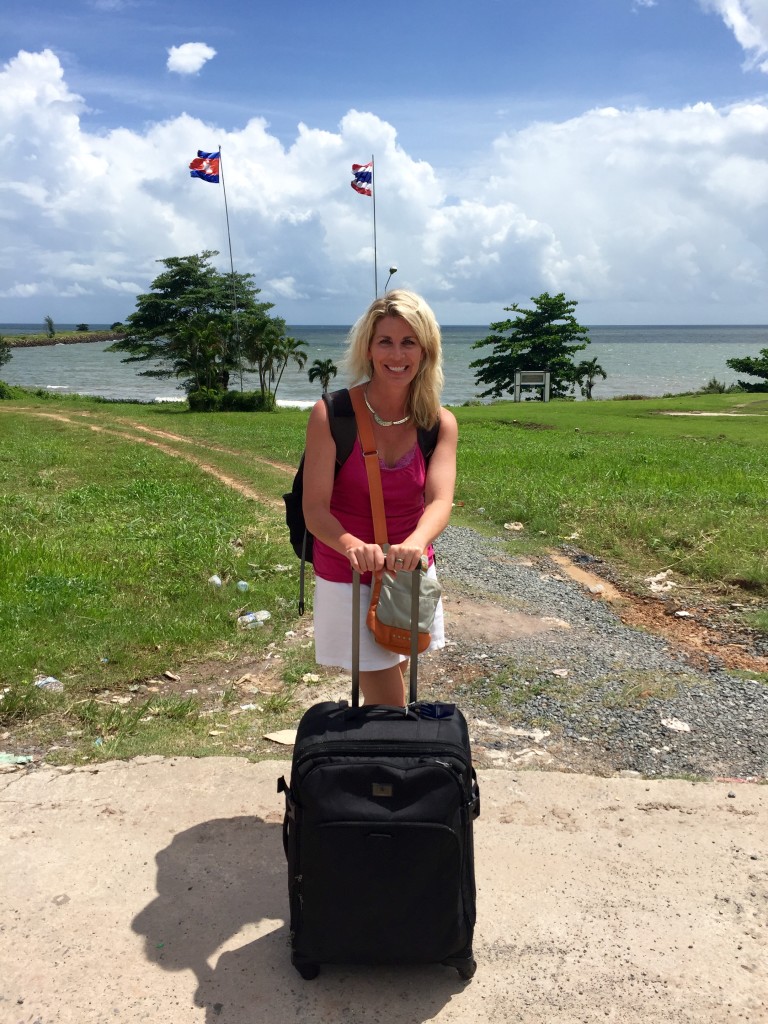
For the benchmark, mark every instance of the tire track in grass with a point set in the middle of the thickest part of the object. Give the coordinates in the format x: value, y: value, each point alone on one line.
x: 246, y: 490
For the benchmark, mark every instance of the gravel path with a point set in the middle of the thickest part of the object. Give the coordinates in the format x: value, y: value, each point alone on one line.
x: 612, y: 698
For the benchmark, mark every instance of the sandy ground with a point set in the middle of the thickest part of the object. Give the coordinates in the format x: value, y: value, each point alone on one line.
x: 155, y: 890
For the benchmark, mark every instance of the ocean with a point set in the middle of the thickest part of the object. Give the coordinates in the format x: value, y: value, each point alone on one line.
x: 638, y: 360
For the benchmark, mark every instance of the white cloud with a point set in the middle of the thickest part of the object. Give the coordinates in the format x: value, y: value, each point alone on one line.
x: 640, y: 215
x: 189, y: 58
x: 748, y: 20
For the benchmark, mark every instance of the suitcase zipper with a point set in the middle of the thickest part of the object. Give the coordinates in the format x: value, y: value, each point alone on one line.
x: 364, y: 749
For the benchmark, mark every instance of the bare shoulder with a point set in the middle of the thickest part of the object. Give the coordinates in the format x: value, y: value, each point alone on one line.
x: 319, y: 411
x: 448, y: 425
x: 318, y: 423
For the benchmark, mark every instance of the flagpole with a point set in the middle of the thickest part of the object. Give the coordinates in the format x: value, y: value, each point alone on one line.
x: 232, y: 270
x: 375, y: 256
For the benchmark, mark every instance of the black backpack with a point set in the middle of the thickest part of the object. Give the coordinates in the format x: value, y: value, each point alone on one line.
x: 341, y: 419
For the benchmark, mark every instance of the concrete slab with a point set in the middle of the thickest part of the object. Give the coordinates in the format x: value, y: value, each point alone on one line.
x: 155, y: 890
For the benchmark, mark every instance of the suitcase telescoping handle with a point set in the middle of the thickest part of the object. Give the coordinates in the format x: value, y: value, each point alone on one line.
x: 414, y: 661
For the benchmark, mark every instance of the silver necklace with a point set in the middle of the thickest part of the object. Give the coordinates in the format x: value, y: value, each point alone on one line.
x: 379, y: 420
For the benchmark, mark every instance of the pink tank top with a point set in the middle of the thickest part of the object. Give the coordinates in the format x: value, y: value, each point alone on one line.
x: 403, y: 487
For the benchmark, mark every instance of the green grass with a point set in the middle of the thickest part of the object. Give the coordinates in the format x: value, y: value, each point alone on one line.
x: 106, y: 545
x: 105, y: 552
x: 649, y: 490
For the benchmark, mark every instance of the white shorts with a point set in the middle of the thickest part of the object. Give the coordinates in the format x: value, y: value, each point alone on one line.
x: 333, y: 628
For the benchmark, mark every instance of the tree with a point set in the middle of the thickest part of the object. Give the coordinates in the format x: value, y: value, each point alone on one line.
x: 5, y: 350
x: 755, y: 366
x: 543, y: 338
x: 82, y: 327
x: 189, y: 322
x: 50, y: 328
x: 322, y: 370
x: 201, y: 355
x: 260, y: 337
x: 585, y: 374
x: 288, y: 349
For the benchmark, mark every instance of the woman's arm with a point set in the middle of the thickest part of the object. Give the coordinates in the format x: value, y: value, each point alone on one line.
x: 319, y: 473
x: 438, y: 498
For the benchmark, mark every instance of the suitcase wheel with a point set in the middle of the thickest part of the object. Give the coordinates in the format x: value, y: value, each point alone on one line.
x: 465, y: 965
x: 307, y: 969
x: 467, y: 971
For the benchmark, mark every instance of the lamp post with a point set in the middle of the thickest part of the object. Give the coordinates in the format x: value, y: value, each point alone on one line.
x: 392, y: 270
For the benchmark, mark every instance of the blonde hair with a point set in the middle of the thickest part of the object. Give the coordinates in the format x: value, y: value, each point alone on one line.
x: 424, y: 397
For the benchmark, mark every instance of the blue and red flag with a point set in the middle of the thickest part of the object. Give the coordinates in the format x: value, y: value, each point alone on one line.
x: 205, y: 166
x: 362, y: 178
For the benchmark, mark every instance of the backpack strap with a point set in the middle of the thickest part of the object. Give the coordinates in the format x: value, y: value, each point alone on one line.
x: 427, y: 440
x: 341, y: 420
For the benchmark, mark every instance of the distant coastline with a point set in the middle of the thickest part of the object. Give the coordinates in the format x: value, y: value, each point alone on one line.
x: 73, y: 338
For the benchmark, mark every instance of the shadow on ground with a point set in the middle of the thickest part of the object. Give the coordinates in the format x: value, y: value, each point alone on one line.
x: 220, y: 912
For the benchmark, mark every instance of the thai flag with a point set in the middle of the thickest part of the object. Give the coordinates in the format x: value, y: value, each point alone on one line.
x: 205, y: 166
x: 362, y: 178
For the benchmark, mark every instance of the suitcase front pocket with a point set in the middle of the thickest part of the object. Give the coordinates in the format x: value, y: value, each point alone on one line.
x: 376, y: 892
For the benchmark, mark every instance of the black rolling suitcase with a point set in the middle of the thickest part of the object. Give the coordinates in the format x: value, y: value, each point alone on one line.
x: 378, y: 834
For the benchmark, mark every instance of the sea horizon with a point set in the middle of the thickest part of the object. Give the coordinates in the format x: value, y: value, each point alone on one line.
x: 40, y: 328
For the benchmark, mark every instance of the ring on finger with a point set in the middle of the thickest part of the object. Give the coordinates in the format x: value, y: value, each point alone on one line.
x: 399, y: 561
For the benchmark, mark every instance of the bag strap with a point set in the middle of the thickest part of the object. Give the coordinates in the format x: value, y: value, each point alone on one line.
x: 371, y: 456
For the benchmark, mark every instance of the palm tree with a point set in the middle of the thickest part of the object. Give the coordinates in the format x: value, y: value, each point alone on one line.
x: 200, y: 355
x: 585, y: 375
x: 288, y: 348
x: 322, y: 370
x: 260, y: 339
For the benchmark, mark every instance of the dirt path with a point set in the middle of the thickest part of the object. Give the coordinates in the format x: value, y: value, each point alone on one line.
x: 159, y: 439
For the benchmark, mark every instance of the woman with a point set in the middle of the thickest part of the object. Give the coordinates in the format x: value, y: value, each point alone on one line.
x: 394, y: 349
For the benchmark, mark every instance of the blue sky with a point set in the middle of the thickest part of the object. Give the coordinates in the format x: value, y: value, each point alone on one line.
x: 611, y: 149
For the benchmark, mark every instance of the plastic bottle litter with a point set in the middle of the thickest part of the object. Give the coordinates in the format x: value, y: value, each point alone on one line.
x: 15, y: 758
x: 215, y: 581
x: 50, y: 683
x: 242, y: 586
x: 253, y: 619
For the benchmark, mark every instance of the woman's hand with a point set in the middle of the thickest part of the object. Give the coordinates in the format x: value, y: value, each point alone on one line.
x: 365, y: 557
x: 404, y: 556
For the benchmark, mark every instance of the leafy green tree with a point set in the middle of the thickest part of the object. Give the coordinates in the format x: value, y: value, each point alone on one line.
x: 5, y: 350
x: 543, y: 338
x: 82, y: 327
x: 189, y: 323
x: 322, y: 370
x: 116, y: 326
x: 585, y: 374
x: 50, y: 327
x: 755, y: 366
